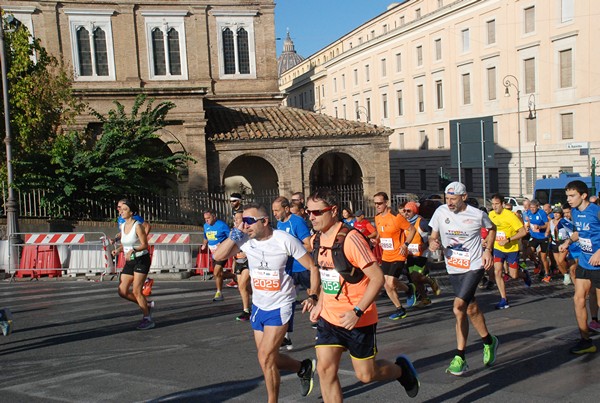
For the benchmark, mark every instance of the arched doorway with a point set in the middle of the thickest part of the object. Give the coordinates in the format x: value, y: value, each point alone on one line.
x: 334, y: 170
x: 250, y: 175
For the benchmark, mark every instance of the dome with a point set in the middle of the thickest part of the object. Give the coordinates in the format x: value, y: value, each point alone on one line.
x: 288, y: 58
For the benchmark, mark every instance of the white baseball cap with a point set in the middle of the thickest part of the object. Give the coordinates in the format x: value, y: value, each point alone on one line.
x: 456, y: 188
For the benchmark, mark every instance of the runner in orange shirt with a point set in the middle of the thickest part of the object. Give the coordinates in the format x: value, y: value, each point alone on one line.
x: 346, y: 311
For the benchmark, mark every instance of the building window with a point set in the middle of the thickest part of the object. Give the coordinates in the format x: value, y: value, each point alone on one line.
x: 566, y: 126
x: 236, y: 44
x: 491, y: 32
x: 335, y: 110
x: 423, y: 140
x: 372, y: 34
x: 166, y: 45
x: 567, y: 10
x: 344, y: 111
x: 400, y: 102
x: 438, y: 49
x: 440, y: 3
x: 401, y: 140
x: 417, y: 13
x: 368, y: 109
x: 385, y: 28
x: 531, y: 130
x: 355, y: 72
x: 343, y: 82
x: 402, y: 22
x: 398, y: 62
x: 419, y: 55
x: 367, y: 73
x: 383, y: 67
x: 356, y: 110
x: 466, y: 40
x: 439, y: 93
x: 384, y: 105
x: 323, y: 90
x: 402, y: 173
x: 529, y: 67
x: 423, y: 177
x: 466, y: 87
x: 491, y: 83
x: 334, y: 85
x: 441, y: 137
x: 421, y: 100
x: 92, y: 44
x: 566, y: 68
x: 529, y: 19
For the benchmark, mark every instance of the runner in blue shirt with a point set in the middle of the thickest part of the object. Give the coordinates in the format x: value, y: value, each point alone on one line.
x: 586, y: 217
x: 536, y: 222
x: 215, y: 232
x: 295, y: 226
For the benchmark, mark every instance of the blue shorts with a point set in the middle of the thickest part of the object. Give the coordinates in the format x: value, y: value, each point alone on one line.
x: 512, y: 258
x: 277, y: 317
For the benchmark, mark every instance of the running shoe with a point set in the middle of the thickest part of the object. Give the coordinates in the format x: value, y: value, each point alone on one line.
x: 527, y: 278
x: 411, y: 295
x: 506, y: 278
x: 307, y: 375
x: 537, y: 269
x: 523, y: 266
x: 232, y: 284
x: 244, y: 317
x: 490, y: 285
x: 218, y: 297
x: 435, y: 287
x: 424, y: 302
x: 594, y: 326
x: 145, y: 324
x: 399, y: 314
x: 547, y: 279
x: 409, y: 378
x: 489, y: 352
x: 287, y: 344
x: 567, y: 279
x: 458, y: 366
x: 484, y: 282
x: 583, y: 346
x: 503, y: 304
x: 147, y: 287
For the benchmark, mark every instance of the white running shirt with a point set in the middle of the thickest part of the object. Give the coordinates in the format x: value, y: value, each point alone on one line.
x: 460, y: 234
x: 269, y: 262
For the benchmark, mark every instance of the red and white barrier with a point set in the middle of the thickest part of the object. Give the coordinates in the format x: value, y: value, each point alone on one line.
x: 54, y: 239
x: 169, y: 239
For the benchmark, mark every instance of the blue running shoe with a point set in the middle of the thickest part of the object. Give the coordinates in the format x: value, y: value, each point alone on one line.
x: 399, y: 314
x: 409, y: 378
x: 503, y: 304
x: 411, y: 295
x: 527, y: 278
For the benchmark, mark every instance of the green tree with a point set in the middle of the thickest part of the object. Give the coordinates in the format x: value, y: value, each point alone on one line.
x: 128, y: 158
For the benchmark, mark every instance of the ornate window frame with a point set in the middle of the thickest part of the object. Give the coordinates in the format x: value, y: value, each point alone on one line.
x: 234, y: 21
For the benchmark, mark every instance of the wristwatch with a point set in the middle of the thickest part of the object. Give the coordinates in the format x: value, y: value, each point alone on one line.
x: 314, y: 297
x: 358, y: 312
x: 407, y: 243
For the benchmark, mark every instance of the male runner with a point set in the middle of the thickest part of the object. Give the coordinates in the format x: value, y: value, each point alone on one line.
x: 394, y: 235
x: 586, y: 217
x: 509, y: 229
x: 215, y: 232
x: 457, y: 226
x: 346, y: 311
x: 270, y: 253
x: 295, y: 226
x: 537, y: 222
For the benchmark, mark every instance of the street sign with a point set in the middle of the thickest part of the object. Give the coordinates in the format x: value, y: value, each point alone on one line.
x: 573, y: 146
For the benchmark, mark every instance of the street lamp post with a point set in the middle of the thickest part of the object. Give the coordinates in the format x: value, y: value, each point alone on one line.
x: 533, y: 116
x: 11, y: 202
x: 508, y: 82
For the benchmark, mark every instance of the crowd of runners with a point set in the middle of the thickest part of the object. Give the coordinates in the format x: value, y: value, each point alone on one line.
x: 335, y: 263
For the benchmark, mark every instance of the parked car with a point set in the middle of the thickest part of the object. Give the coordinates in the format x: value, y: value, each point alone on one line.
x: 516, y: 202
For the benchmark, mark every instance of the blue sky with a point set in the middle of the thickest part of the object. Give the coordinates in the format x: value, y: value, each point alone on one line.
x: 314, y: 24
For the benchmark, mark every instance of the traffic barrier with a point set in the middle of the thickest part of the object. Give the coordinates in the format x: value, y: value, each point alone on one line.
x: 55, y: 254
x: 205, y: 264
x: 171, y: 251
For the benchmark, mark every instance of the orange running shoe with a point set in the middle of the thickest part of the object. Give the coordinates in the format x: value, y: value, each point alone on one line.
x: 147, y: 287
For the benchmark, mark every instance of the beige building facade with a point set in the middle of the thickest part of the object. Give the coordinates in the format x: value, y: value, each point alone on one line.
x: 216, y: 61
x: 424, y: 64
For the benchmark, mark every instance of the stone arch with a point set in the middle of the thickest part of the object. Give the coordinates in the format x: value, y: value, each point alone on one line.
x: 335, y: 168
x: 249, y: 173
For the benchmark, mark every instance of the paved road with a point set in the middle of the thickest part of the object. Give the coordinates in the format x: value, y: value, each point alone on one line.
x: 75, y: 341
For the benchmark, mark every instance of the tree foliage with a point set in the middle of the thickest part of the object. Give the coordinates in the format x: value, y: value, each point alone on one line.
x: 127, y: 158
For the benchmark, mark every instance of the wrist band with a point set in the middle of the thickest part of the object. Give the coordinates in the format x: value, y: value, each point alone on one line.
x: 236, y: 235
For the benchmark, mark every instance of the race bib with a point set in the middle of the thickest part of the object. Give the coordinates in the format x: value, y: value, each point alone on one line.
x: 501, y: 236
x: 586, y: 244
x: 330, y: 281
x: 413, y: 248
x: 386, y: 243
x: 459, y: 259
x: 266, y: 280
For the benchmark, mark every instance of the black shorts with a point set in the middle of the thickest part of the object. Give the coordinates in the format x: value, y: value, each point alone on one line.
x: 592, y: 275
x: 360, y: 341
x: 542, y: 243
x: 465, y: 284
x: 140, y: 264
x: 241, y: 266
x: 219, y: 263
x: 394, y: 269
x: 301, y: 278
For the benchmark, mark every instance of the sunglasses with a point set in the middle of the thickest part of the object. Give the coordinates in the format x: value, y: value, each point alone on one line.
x: 252, y: 220
x: 378, y: 203
x: 317, y: 213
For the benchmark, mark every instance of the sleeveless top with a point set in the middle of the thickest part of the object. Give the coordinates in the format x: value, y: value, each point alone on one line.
x: 130, y: 240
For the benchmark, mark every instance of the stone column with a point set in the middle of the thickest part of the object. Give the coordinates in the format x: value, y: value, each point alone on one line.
x: 196, y: 146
